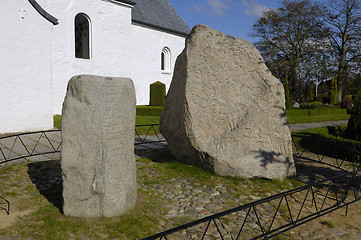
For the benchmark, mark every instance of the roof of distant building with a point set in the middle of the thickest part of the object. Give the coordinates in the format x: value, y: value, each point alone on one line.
x: 159, y: 14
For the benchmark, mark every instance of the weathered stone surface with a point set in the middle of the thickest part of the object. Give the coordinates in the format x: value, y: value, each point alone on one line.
x: 97, y: 157
x: 225, y: 111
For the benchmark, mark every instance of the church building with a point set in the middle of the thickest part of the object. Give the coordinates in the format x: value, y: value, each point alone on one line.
x: 45, y: 42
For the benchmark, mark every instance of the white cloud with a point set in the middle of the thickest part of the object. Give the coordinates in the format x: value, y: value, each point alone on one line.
x: 214, y: 7
x: 254, y: 8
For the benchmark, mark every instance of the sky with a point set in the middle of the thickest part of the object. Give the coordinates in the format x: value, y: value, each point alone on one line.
x: 233, y: 17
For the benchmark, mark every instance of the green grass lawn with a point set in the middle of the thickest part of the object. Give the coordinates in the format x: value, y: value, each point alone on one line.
x: 144, y: 120
x: 139, y: 120
x: 316, y: 115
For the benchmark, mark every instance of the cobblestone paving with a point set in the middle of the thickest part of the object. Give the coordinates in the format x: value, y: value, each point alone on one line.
x: 178, y: 200
x: 186, y: 200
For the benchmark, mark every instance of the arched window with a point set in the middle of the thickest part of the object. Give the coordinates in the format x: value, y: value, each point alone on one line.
x: 165, y: 60
x: 82, y: 36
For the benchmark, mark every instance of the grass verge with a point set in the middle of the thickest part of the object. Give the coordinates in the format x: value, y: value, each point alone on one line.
x: 139, y: 120
x: 144, y: 120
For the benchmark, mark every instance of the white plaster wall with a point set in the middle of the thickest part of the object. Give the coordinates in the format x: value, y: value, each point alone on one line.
x: 147, y: 45
x: 110, y: 39
x: 25, y: 68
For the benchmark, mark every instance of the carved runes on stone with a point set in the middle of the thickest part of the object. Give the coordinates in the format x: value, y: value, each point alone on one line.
x: 225, y: 111
x: 97, y: 157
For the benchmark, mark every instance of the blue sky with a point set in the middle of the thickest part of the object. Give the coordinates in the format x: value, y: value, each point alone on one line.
x: 233, y: 17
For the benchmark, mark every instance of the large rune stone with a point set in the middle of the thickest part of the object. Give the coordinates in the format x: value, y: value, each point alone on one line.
x: 225, y: 111
x: 97, y: 157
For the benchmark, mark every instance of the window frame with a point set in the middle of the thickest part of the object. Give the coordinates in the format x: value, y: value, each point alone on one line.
x: 89, y: 33
x: 165, y: 61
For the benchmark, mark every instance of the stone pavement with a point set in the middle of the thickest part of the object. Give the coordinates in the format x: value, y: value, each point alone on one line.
x: 304, y: 126
x: 35, y: 144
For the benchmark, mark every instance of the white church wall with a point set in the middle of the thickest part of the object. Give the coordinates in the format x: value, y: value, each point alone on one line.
x: 110, y: 43
x: 147, y: 45
x: 38, y: 58
x: 25, y: 69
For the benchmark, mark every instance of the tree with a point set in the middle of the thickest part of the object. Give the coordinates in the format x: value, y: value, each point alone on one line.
x: 287, y: 36
x: 333, y: 91
x: 288, y: 101
x: 343, y: 19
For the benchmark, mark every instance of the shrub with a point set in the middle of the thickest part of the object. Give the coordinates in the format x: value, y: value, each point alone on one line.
x: 318, y: 98
x: 157, y: 94
x: 337, y: 146
x: 337, y: 131
x: 347, y: 97
x: 346, y: 104
x: 312, y: 105
x: 353, y: 130
x: 149, y: 110
x: 57, y: 121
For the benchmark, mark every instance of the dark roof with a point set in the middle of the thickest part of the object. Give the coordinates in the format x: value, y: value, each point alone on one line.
x: 44, y: 13
x: 130, y: 2
x: 159, y: 14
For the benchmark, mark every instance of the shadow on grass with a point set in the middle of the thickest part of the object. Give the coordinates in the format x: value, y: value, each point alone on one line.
x: 341, y: 185
x: 308, y: 171
x: 158, y: 155
x: 48, y: 180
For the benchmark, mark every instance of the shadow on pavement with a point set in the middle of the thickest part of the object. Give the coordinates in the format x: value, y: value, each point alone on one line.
x: 48, y: 180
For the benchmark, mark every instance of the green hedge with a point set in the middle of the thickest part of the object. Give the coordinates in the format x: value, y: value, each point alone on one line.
x: 157, y: 94
x: 143, y: 110
x: 315, y: 112
x: 319, y: 141
x: 342, y: 148
x: 312, y: 105
x: 327, y: 144
x: 349, y: 143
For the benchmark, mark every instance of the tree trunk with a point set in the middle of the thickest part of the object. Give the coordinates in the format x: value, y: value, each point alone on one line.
x: 297, y: 87
x: 339, y: 94
x: 341, y: 72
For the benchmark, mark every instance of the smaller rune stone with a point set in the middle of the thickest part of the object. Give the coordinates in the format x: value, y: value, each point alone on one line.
x: 97, y: 157
x: 225, y: 111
